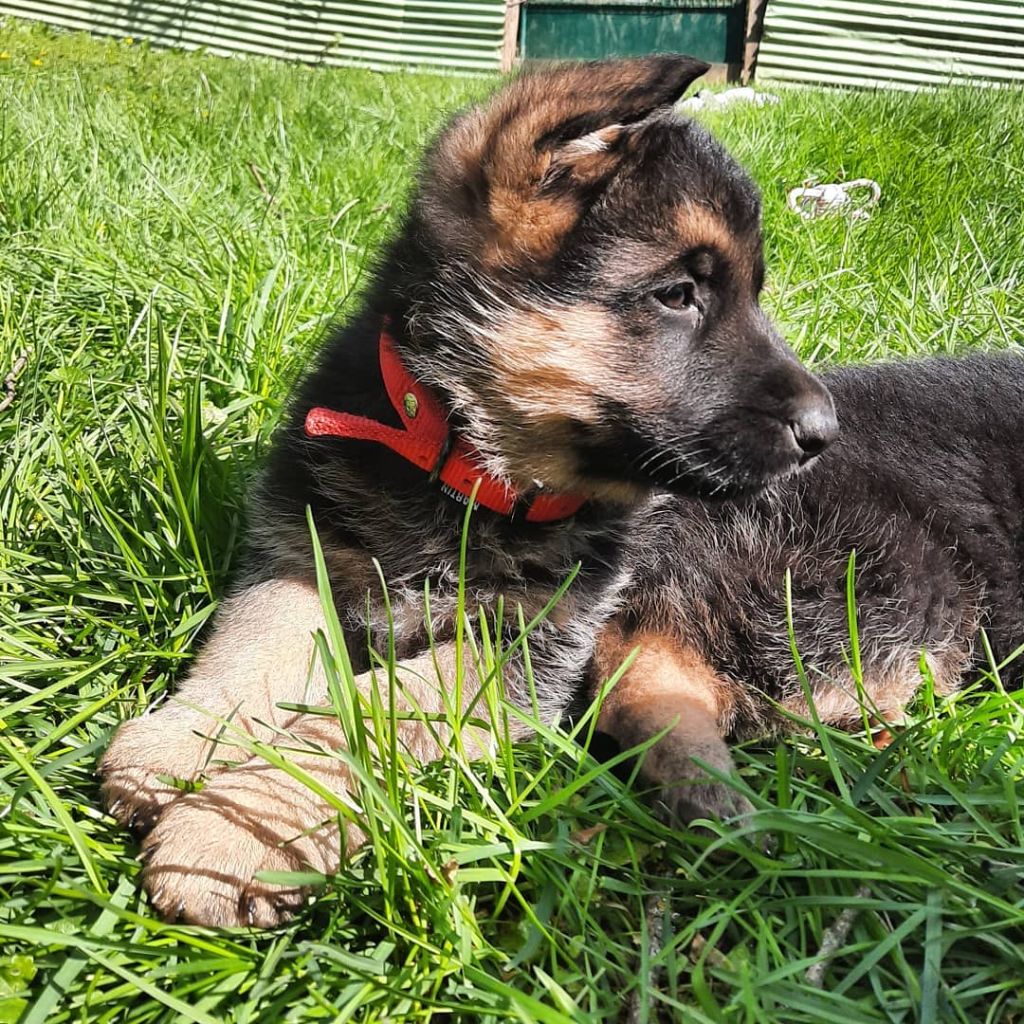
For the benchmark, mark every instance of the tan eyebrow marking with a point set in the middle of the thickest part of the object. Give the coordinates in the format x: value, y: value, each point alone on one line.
x: 700, y: 227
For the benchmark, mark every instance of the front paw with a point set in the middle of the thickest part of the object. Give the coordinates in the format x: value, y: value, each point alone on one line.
x: 202, y: 858
x: 686, y: 791
x: 701, y: 796
x: 144, y: 759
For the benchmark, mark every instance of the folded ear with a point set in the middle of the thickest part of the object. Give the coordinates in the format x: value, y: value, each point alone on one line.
x: 510, y: 177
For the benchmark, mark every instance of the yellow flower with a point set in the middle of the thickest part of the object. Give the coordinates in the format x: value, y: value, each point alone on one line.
x: 37, y: 63
x: 5, y: 55
x: 128, y: 40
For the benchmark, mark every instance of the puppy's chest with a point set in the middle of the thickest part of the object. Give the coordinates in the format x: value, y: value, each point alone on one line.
x: 502, y: 588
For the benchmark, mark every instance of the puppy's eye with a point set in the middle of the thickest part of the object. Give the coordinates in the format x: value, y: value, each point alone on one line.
x: 679, y: 296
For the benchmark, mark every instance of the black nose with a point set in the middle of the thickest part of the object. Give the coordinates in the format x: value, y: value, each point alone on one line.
x: 815, y: 426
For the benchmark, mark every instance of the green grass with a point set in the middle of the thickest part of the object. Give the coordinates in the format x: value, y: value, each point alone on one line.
x: 174, y: 233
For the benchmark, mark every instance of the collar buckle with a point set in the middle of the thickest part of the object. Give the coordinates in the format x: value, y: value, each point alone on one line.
x: 426, y: 440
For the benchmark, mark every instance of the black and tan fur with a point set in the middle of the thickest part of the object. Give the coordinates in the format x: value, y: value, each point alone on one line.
x: 577, y: 278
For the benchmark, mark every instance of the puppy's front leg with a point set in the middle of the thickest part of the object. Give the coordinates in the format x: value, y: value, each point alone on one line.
x: 669, y: 685
x: 204, y: 853
x: 260, y: 653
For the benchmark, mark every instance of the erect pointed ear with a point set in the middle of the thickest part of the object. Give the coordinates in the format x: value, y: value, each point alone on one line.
x: 490, y: 176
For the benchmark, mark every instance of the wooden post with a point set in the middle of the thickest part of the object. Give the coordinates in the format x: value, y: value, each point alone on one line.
x: 510, y: 34
x: 752, y: 38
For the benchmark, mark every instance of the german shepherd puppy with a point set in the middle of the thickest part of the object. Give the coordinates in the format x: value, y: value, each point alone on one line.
x: 568, y: 321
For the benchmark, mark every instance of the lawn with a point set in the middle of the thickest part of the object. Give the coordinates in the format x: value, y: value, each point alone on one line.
x: 175, y: 232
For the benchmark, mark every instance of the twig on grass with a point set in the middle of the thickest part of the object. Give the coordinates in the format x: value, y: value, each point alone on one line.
x: 9, y: 381
x: 654, y: 914
x: 833, y: 937
x: 257, y: 175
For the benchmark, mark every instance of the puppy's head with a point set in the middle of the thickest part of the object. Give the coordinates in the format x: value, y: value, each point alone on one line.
x: 582, y: 270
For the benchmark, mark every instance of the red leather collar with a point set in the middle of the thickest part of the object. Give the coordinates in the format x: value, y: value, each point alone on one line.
x: 427, y: 442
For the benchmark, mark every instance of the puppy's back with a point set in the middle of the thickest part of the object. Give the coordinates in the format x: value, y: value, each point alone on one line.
x: 941, y: 441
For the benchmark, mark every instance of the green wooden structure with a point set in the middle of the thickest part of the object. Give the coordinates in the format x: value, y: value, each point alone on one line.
x: 557, y: 29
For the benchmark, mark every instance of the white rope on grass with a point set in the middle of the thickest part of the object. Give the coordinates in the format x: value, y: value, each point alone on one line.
x: 856, y: 198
